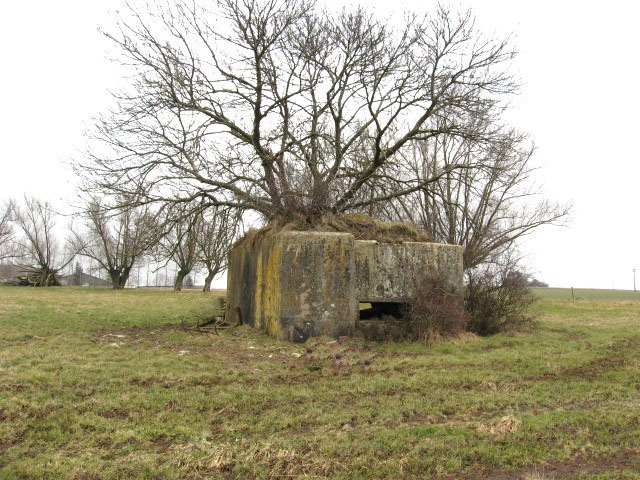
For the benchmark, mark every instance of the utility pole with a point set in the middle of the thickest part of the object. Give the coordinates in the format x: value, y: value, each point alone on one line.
x: 634, y: 280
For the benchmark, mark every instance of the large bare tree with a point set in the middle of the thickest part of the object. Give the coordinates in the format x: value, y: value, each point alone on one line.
x: 288, y: 109
x: 6, y: 231
x: 487, y: 207
x: 220, y: 228
x: 116, y: 238
x: 180, y: 243
x: 38, y: 250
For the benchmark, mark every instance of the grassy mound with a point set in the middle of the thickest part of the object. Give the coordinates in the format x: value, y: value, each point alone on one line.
x: 361, y: 226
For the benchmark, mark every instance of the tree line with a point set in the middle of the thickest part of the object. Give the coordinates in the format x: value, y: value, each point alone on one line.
x: 117, y: 237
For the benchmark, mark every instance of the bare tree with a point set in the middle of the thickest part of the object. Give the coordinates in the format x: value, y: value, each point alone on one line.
x: 6, y: 231
x: 287, y: 109
x: 220, y: 227
x: 39, y: 252
x: 116, y: 239
x: 485, y: 208
x: 180, y: 245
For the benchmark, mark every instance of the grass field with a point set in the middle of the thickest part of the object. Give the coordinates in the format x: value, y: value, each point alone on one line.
x: 586, y: 294
x: 96, y: 384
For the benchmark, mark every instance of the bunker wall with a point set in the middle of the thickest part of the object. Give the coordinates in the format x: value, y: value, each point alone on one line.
x: 386, y: 272
x: 317, y: 281
x: 294, y: 285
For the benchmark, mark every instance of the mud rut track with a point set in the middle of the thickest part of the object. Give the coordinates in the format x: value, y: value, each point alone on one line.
x: 628, y: 459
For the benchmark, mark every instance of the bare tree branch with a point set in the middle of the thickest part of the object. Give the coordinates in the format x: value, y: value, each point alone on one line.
x: 286, y: 109
x: 220, y: 228
x: 180, y: 242
x: 6, y: 231
x: 487, y: 207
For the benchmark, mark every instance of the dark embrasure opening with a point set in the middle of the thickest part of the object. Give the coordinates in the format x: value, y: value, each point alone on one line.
x: 380, y: 310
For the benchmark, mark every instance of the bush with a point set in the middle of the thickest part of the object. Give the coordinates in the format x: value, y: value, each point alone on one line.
x: 497, y: 299
x: 436, y: 311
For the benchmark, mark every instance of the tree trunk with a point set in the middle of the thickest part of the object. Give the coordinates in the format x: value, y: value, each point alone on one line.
x: 119, y: 279
x: 179, y: 280
x: 211, y: 273
x: 43, y: 281
x: 47, y: 278
x: 207, y: 283
x: 115, y: 280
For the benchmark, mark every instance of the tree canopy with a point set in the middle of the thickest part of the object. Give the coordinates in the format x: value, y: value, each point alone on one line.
x: 288, y: 109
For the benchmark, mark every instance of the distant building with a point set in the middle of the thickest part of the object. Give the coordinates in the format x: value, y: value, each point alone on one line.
x: 9, y: 272
x: 86, y: 280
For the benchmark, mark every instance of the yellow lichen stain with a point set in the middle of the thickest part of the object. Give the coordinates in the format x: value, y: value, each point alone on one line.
x: 344, y: 256
x: 237, y: 259
x: 259, y: 293
x: 271, y: 290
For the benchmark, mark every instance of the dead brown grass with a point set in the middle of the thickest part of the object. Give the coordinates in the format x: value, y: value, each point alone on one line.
x: 276, y: 462
x: 507, y: 424
x: 362, y: 227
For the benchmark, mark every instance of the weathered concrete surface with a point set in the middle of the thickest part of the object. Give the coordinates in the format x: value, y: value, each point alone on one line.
x: 294, y: 285
x: 386, y: 272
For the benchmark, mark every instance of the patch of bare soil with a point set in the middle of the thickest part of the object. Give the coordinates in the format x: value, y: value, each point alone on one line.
x: 239, y: 346
x: 161, y: 444
x: 147, y: 331
x: 115, y: 412
x: 628, y: 459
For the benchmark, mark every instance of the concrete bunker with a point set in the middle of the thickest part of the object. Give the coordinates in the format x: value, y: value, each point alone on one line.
x: 295, y: 285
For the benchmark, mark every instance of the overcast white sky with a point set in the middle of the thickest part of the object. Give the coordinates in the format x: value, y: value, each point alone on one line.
x: 580, y: 101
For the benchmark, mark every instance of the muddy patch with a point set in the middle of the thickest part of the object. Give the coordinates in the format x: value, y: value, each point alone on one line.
x: 241, y: 348
x: 628, y: 459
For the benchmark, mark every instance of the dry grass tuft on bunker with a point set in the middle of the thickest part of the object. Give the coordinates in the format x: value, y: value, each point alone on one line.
x: 361, y: 226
